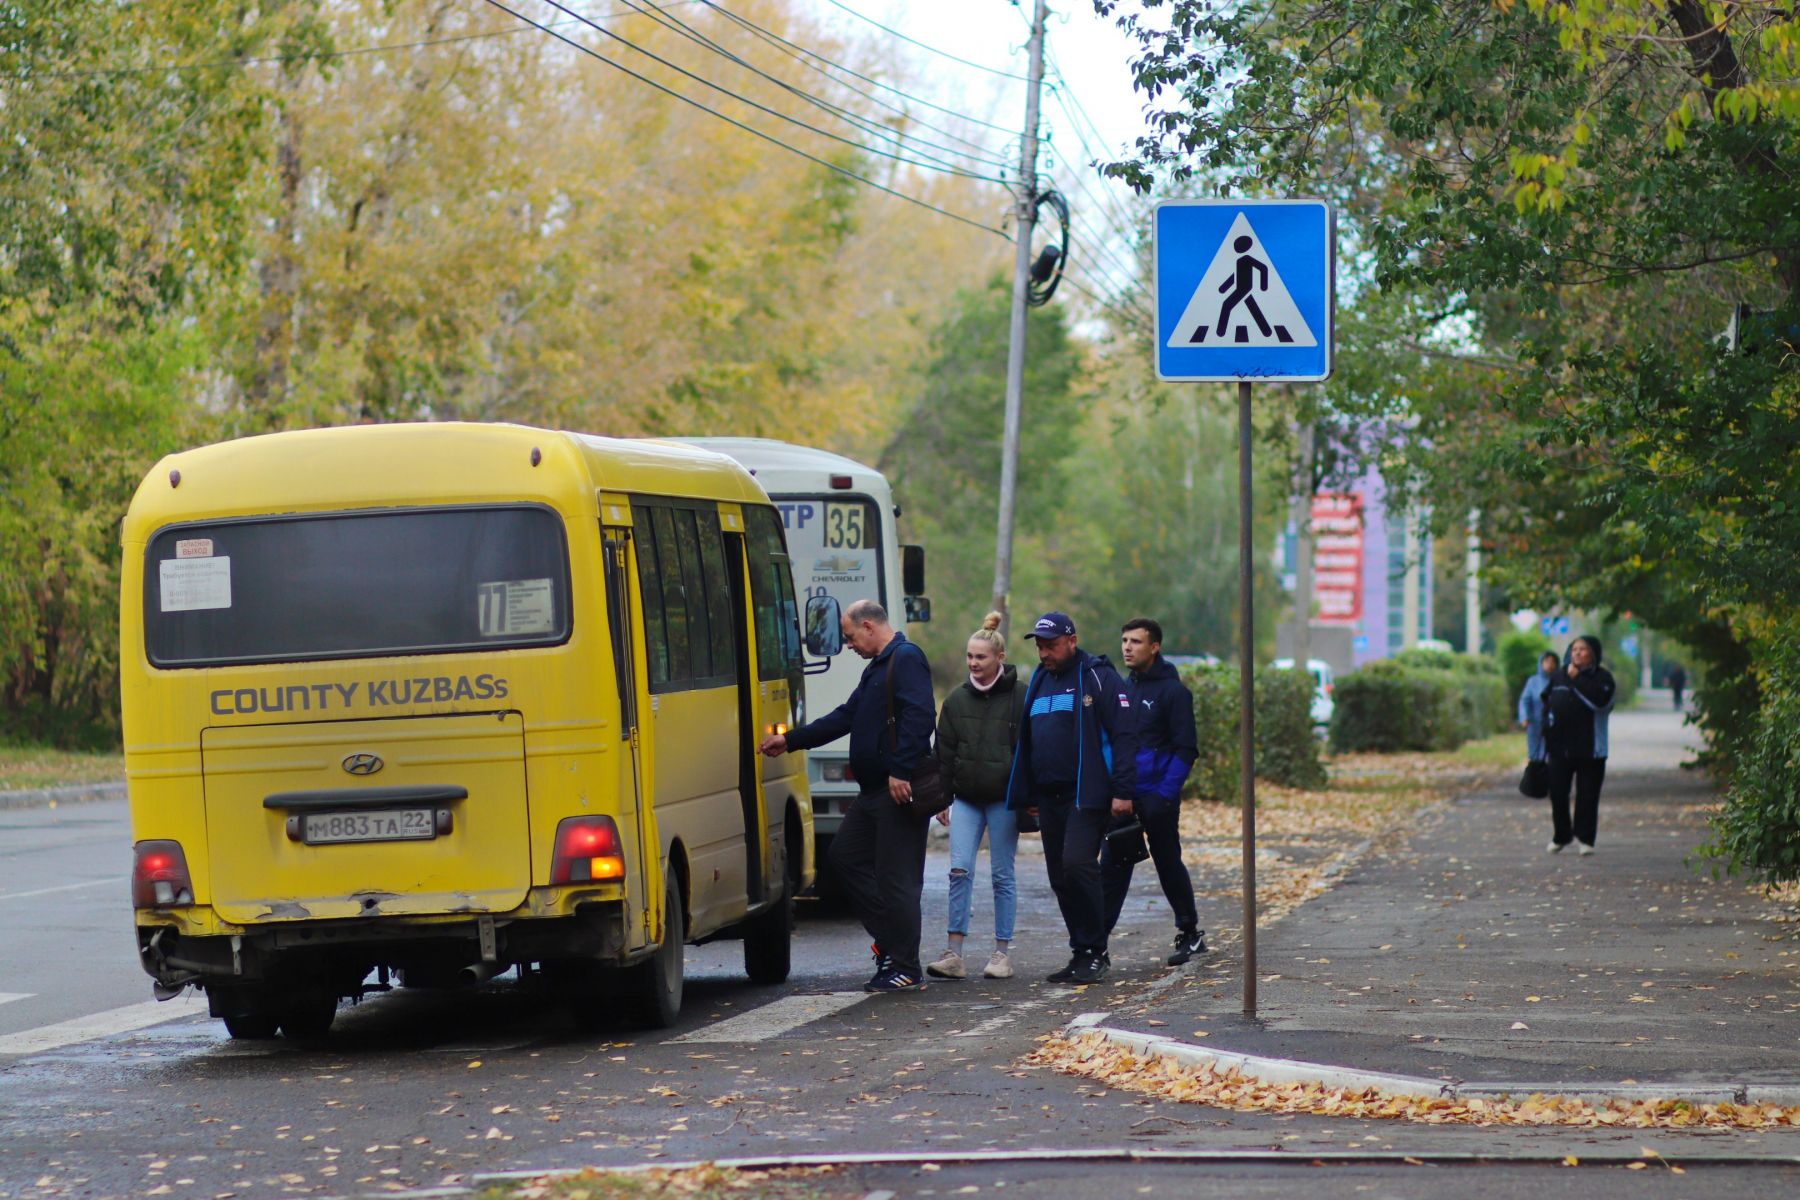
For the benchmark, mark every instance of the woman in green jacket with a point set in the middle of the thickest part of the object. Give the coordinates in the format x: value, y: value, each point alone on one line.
x: 976, y: 732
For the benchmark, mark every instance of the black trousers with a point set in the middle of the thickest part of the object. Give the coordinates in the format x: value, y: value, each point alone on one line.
x: 1072, y: 839
x: 1162, y: 829
x: 879, y: 857
x: 1586, y: 774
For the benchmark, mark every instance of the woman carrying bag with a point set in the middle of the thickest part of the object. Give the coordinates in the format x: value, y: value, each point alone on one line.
x: 1535, y: 783
x: 976, y: 732
x: 1576, y: 707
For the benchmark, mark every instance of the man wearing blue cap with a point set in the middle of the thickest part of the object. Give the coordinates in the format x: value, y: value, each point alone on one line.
x: 1076, y: 763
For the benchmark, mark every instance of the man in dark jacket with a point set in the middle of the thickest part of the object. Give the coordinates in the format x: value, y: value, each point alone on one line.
x: 1076, y: 764
x: 879, y: 850
x: 1167, y: 748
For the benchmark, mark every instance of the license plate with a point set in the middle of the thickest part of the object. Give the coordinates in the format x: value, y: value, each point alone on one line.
x: 386, y: 825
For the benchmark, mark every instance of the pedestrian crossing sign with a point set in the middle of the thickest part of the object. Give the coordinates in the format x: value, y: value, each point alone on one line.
x: 1244, y: 289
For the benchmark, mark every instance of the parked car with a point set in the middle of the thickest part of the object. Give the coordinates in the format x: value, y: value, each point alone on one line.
x: 1322, y: 703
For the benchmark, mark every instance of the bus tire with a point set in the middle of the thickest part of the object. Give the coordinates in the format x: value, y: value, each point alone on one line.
x: 769, y: 940
x: 251, y: 1026
x: 308, y: 1014
x: 659, y: 981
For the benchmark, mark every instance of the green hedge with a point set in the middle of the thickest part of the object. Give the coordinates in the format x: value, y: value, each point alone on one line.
x: 1419, y: 700
x: 1519, y: 654
x: 1286, y: 751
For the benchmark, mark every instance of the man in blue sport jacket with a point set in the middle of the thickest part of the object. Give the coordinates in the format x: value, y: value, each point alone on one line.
x: 879, y: 851
x: 1076, y: 764
x: 1167, y: 748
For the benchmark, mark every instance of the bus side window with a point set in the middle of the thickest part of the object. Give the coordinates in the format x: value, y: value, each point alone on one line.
x: 700, y: 620
x: 772, y: 593
x: 676, y: 605
x: 718, y: 593
x: 618, y: 606
x: 656, y: 637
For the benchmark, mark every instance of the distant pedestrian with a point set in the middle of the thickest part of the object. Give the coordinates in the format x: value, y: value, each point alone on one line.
x: 1677, y: 682
x: 1577, y: 703
x: 977, y: 729
x: 1531, y: 705
x: 1076, y: 765
x: 1167, y: 748
x: 879, y: 850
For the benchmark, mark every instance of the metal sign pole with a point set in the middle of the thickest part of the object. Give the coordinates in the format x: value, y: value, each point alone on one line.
x: 1247, y: 695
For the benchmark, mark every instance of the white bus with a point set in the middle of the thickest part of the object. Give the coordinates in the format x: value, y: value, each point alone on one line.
x: 840, y: 520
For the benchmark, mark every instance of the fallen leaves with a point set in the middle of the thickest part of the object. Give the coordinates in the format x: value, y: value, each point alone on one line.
x: 1090, y: 1056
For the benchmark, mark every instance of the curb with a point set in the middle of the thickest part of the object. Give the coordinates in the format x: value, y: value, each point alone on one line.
x: 80, y: 793
x: 1291, y: 1070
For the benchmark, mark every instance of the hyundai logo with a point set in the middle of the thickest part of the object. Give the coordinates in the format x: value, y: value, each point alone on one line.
x: 363, y: 764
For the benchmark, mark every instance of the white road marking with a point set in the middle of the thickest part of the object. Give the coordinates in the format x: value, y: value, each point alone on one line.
x: 98, y: 1025
x: 9, y: 997
x: 65, y: 887
x: 774, y: 1018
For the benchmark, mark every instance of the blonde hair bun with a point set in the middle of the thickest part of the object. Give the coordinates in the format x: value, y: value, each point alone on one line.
x: 992, y: 621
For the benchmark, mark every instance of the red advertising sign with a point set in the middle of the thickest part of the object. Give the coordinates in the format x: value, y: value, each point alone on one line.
x: 1337, y: 529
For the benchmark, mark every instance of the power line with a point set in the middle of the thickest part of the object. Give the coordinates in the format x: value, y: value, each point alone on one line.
x: 923, y: 46
x: 763, y: 108
x: 798, y: 51
x: 265, y: 60
x: 750, y: 129
x: 849, y: 116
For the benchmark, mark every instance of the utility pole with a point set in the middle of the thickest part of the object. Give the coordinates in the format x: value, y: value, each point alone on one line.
x: 1472, y: 586
x: 1025, y: 216
x: 1301, y: 515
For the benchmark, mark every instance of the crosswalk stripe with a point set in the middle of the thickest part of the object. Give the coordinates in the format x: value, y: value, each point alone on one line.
x: 774, y: 1018
x: 98, y: 1025
x: 9, y: 997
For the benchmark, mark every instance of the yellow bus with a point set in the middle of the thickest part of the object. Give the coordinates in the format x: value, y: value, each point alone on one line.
x: 421, y: 703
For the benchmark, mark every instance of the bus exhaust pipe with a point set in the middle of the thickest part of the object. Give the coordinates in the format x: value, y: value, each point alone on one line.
x: 479, y: 973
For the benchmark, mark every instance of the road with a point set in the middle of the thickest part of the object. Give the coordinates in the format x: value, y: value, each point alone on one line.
x: 416, y: 1090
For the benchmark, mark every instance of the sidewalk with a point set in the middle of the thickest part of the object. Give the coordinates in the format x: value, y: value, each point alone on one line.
x: 1467, y: 953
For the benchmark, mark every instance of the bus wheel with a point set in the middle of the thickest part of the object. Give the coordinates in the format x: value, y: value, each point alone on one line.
x: 247, y: 1012
x: 658, y: 982
x: 251, y: 1026
x: 308, y: 1014
x: 768, y: 941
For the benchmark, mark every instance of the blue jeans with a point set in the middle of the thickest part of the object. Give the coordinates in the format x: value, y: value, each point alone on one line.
x: 967, y: 820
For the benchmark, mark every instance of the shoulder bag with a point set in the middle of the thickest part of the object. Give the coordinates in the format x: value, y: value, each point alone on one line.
x: 929, y: 795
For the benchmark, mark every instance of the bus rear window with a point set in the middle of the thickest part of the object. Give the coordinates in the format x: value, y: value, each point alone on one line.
x: 349, y: 585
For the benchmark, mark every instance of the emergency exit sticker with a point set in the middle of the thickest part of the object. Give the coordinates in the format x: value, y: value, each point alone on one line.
x: 515, y: 606
x: 193, y: 584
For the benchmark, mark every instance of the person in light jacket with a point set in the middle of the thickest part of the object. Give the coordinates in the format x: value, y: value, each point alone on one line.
x: 1531, y: 705
x: 1577, y: 703
x: 976, y: 731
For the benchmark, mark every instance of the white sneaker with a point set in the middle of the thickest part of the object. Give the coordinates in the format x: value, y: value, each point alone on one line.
x: 1556, y: 847
x: 999, y: 966
x: 1584, y: 850
x: 949, y: 965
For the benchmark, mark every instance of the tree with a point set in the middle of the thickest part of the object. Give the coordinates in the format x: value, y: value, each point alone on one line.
x: 1555, y: 209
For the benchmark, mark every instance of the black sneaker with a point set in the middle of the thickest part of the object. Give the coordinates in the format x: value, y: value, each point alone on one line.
x: 1091, y: 968
x: 1066, y: 974
x: 895, y: 980
x: 883, y: 964
x: 1188, y: 943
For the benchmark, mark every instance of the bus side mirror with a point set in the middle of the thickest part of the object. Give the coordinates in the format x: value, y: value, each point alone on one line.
x: 824, y: 635
x: 912, y: 571
x: 918, y: 610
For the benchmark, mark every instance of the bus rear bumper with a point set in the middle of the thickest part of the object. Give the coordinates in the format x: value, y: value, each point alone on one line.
x: 424, y: 953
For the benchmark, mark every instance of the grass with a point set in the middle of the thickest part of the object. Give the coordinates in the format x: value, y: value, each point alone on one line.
x: 23, y: 768
x: 1501, y: 750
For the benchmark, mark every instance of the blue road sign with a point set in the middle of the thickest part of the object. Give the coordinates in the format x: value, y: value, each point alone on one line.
x: 1244, y: 290
x: 1555, y: 626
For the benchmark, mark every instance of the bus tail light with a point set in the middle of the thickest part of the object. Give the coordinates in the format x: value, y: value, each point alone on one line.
x: 159, y: 875
x: 587, y: 851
